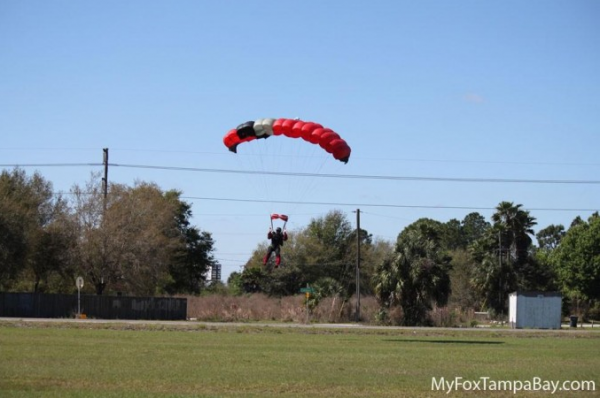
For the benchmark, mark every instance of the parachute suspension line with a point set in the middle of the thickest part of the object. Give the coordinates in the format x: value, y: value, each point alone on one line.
x: 313, y: 183
x: 273, y: 157
x: 250, y: 158
x: 265, y: 186
x: 283, y: 161
x: 254, y: 156
x: 290, y: 159
x: 292, y: 151
x: 274, y: 161
x: 262, y: 154
x: 285, y: 157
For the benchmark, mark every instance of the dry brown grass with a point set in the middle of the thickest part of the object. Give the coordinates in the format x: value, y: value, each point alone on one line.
x: 452, y: 316
x: 259, y: 307
x: 251, y: 308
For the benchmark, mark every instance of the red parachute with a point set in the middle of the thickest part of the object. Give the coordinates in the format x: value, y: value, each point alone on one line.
x: 313, y: 133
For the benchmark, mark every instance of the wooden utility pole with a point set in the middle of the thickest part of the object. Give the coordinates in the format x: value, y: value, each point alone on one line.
x: 357, y: 265
x: 100, y: 284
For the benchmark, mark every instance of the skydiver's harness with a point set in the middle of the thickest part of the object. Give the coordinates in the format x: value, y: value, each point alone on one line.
x: 277, y: 238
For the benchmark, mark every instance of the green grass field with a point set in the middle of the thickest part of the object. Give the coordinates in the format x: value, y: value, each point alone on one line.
x: 120, y: 360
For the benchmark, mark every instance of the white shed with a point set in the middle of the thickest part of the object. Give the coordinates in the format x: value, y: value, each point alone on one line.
x: 536, y: 310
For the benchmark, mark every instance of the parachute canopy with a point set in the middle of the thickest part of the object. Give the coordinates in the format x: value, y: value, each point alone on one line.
x: 313, y: 133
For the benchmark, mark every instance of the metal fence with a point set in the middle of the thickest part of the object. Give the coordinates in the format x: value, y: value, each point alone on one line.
x: 31, y: 305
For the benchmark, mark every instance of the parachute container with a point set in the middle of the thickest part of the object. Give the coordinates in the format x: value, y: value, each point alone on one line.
x: 279, y: 217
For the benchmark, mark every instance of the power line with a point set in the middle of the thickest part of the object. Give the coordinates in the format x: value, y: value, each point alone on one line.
x: 419, y: 160
x: 524, y: 163
x: 358, y: 176
x: 52, y: 165
x: 373, y: 204
x: 315, y: 175
x: 342, y: 204
x: 57, y: 149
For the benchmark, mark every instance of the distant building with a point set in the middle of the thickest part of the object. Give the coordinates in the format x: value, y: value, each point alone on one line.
x: 214, y: 273
x: 535, y: 310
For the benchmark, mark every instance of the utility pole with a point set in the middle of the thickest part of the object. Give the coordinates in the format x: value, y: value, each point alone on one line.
x: 357, y: 265
x: 105, y: 178
x: 500, y: 295
x: 100, y: 285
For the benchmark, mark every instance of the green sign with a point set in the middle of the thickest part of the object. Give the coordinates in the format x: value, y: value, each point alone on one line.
x: 307, y: 290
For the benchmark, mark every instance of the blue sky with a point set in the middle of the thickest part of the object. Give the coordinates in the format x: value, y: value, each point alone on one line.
x: 435, y: 89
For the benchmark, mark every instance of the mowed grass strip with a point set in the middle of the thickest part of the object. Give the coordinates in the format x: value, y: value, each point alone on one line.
x: 61, y: 360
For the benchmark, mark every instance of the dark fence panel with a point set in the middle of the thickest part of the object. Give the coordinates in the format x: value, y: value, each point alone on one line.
x: 30, y: 305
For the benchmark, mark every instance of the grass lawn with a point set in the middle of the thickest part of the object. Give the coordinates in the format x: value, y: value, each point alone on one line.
x: 120, y: 360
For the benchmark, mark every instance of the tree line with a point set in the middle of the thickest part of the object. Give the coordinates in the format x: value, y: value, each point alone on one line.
x: 133, y: 240
x: 139, y: 240
x: 471, y: 263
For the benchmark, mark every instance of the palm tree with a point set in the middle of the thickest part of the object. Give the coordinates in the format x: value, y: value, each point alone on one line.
x: 495, y: 276
x: 517, y: 225
x: 504, y: 256
x: 418, y: 276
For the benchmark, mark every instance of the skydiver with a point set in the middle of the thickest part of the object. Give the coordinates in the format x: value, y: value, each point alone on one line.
x: 277, y: 239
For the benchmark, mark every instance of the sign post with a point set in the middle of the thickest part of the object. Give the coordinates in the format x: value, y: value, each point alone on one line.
x: 308, y: 291
x: 79, y: 283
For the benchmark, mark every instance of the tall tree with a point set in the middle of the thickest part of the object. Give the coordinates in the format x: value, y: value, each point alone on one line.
x: 460, y: 234
x: 549, y: 238
x: 516, y: 226
x: 418, y: 277
x: 29, y: 236
x: 577, y: 259
x: 129, y: 245
x: 90, y: 254
x: 13, y: 241
x: 506, y: 258
x: 461, y: 277
x: 452, y: 235
x: 473, y: 227
x: 50, y: 256
x: 190, y: 261
x: 325, y: 248
x: 494, y: 276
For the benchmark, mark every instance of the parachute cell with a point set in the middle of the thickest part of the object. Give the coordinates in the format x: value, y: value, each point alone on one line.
x: 315, y: 136
x: 231, y: 140
x: 286, y: 127
x: 297, y: 129
x: 246, y: 130
x: 340, y: 149
x: 263, y: 127
x: 278, y: 126
x: 307, y: 131
x: 326, y: 139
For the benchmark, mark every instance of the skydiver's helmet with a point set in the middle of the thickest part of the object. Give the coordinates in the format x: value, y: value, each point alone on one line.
x: 278, y: 230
